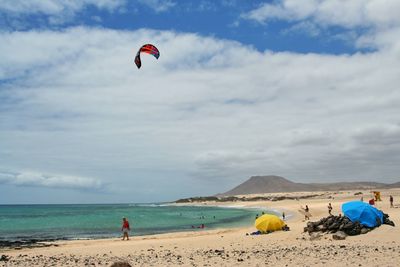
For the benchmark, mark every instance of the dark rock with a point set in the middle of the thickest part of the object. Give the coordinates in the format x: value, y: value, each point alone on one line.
x: 355, y: 230
x: 389, y: 222
x: 386, y: 220
x: 364, y: 230
x: 339, y: 235
x: 219, y: 251
x: 348, y: 225
x: 330, y: 220
x: 121, y: 264
x: 315, y: 236
x: 4, y: 258
x: 334, y: 226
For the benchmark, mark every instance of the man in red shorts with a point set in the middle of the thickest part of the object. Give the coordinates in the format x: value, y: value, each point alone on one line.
x: 125, y: 228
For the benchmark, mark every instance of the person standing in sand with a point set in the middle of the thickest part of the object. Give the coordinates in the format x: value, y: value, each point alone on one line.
x: 306, y: 213
x: 330, y: 208
x: 391, y: 201
x: 125, y: 229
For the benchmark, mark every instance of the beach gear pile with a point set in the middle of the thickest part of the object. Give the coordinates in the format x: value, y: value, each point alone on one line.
x: 359, y: 218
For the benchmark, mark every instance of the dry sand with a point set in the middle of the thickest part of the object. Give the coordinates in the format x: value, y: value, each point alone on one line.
x: 232, y: 247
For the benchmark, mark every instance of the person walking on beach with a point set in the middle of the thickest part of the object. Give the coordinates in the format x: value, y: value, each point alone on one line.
x: 125, y: 229
x: 391, y: 201
x: 283, y: 216
x: 330, y: 209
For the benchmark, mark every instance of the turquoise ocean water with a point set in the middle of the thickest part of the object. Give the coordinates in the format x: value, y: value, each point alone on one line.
x: 52, y: 222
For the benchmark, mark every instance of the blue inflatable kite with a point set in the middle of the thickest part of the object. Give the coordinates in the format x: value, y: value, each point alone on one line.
x: 362, y: 212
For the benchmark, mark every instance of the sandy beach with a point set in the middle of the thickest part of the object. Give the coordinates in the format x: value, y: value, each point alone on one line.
x: 233, y: 247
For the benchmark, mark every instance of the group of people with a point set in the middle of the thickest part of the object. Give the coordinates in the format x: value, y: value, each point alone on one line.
x: 330, y: 208
x: 377, y: 197
x: 126, y: 227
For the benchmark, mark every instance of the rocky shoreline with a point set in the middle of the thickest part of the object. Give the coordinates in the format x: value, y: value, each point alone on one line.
x: 245, y: 199
x: 28, y: 243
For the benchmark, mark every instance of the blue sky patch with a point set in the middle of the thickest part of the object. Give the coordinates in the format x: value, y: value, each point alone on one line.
x: 220, y: 19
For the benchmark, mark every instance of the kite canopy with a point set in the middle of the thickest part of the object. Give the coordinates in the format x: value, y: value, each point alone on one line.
x: 149, y: 49
x: 362, y: 212
x: 269, y: 222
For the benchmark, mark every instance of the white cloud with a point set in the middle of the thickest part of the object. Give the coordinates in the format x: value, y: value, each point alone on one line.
x: 343, y: 13
x: 158, y: 5
x: 74, y: 102
x: 373, y: 16
x: 306, y: 27
x: 56, y: 7
x: 52, y: 181
x: 55, y: 11
x: 286, y: 10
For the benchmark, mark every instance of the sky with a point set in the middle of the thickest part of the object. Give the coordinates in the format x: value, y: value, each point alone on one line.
x: 304, y: 89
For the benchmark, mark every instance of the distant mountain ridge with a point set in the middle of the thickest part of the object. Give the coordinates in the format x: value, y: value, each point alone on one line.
x: 278, y: 184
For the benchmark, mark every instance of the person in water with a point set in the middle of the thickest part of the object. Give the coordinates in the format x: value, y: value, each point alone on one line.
x: 125, y: 229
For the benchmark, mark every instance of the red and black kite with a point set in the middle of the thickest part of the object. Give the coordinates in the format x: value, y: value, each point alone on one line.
x: 149, y: 49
